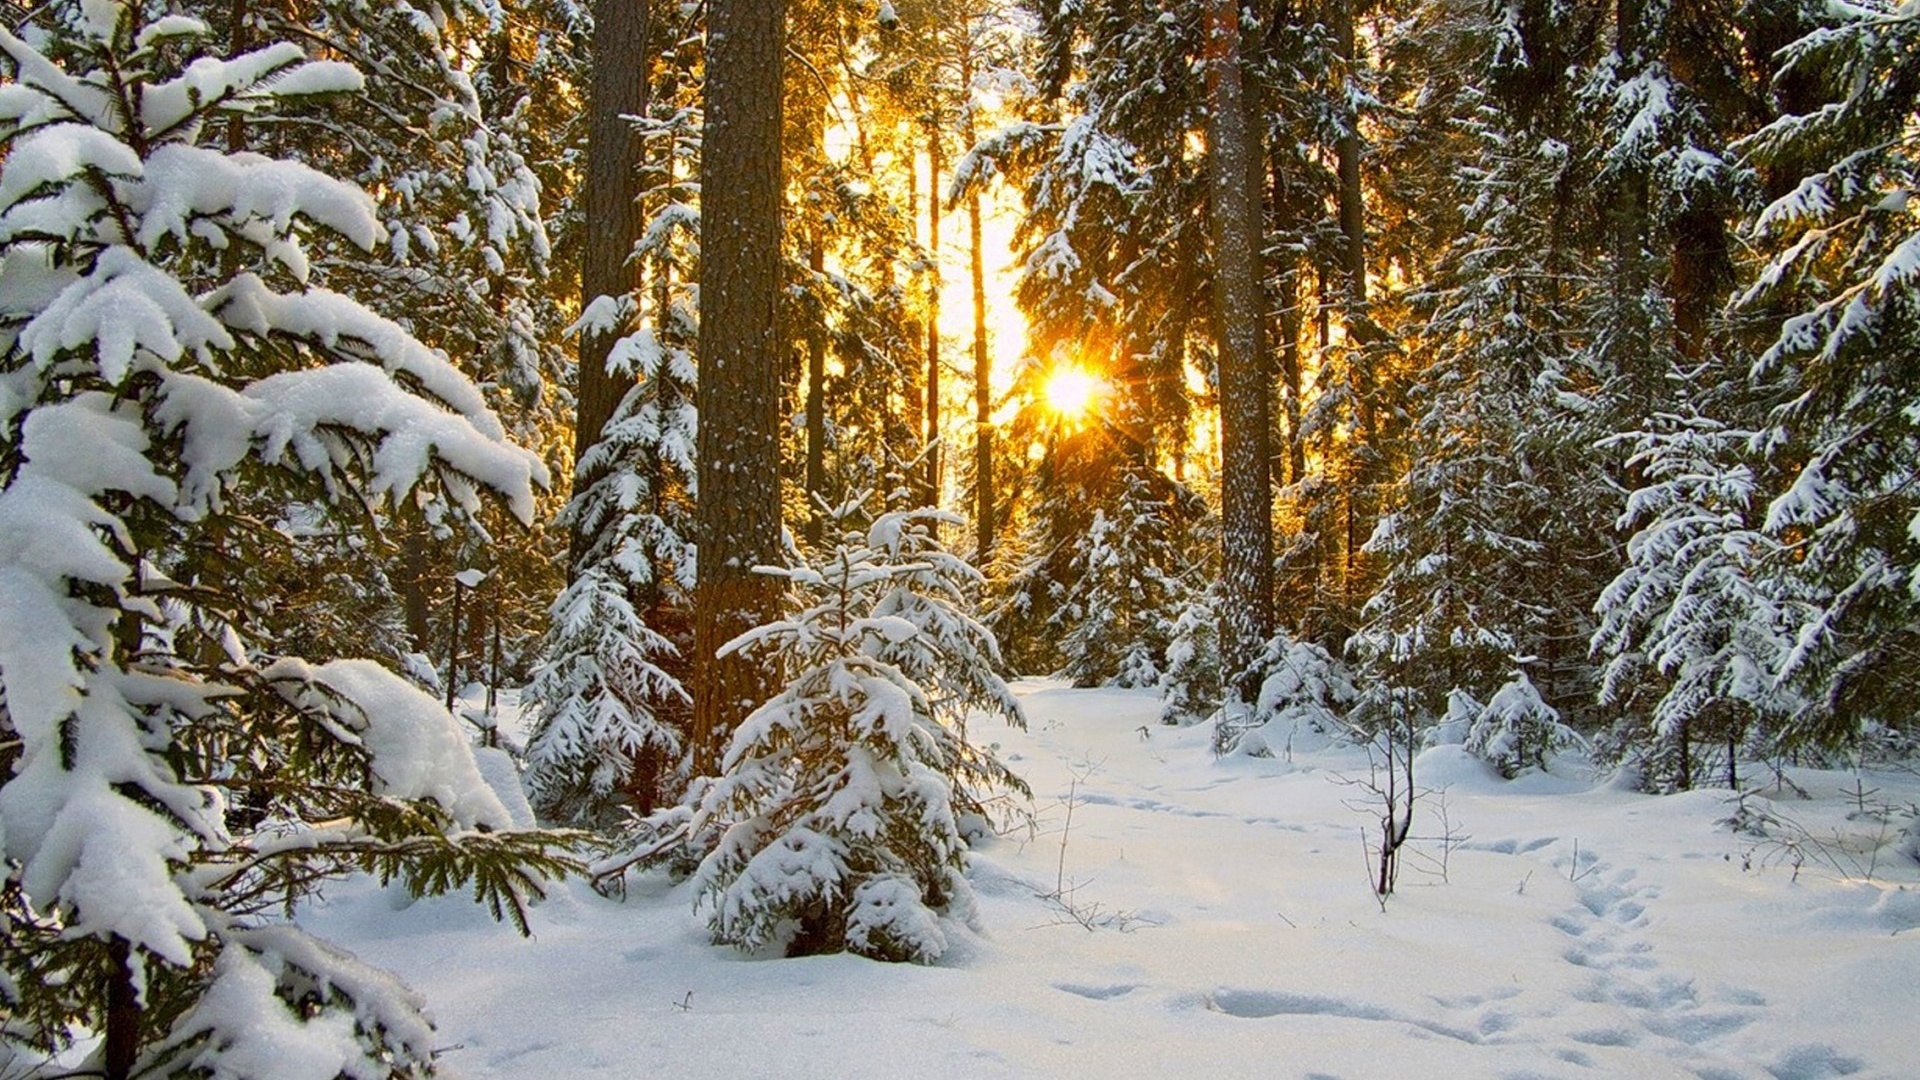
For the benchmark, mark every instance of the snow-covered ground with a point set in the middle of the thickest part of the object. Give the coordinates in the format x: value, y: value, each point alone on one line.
x: 1234, y: 935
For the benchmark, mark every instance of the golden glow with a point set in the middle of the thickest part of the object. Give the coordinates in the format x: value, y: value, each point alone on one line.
x: 1072, y: 392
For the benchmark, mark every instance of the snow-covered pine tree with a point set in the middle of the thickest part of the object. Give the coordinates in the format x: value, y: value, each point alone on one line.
x: 465, y: 238
x: 1190, y: 686
x: 841, y: 798
x: 463, y: 265
x: 165, y: 363
x: 1125, y: 589
x: 1499, y: 494
x: 609, y: 702
x: 1517, y: 730
x: 1695, y: 629
x: 1842, y: 281
x: 1306, y: 695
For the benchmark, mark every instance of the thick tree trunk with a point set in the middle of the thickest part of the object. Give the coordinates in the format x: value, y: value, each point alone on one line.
x: 614, y: 152
x: 1246, y: 489
x: 739, y: 511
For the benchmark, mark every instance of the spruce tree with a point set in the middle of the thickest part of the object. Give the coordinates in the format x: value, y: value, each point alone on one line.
x: 177, y: 783
x: 1840, y: 286
x: 842, y: 797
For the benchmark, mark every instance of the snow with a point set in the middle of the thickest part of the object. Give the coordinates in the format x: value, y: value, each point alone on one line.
x: 1579, y: 931
x: 418, y: 749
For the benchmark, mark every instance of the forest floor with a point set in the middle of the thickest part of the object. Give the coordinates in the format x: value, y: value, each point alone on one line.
x: 1217, y: 922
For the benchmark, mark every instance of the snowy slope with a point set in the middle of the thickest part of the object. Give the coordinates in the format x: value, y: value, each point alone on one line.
x: 1234, y: 935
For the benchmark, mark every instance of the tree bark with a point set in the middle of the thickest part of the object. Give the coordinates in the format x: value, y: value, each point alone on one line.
x: 984, y: 527
x: 1246, y: 488
x: 1633, y: 333
x: 932, y: 482
x: 1353, y: 234
x: 618, y: 90
x: 122, y: 1034
x: 1353, y: 212
x: 739, y: 396
x: 816, y: 478
x: 1288, y: 302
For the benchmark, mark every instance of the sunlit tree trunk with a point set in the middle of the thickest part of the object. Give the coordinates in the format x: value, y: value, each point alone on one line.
x: 932, y: 481
x: 983, y: 491
x: 739, y: 395
x: 1246, y: 490
x: 816, y: 478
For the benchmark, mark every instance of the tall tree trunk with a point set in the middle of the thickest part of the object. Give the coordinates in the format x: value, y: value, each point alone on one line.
x: 1353, y: 235
x: 983, y: 521
x: 1288, y: 303
x: 983, y: 492
x: 1246, y: 489
x: 1633, y: 331
x: 1353, y: 212
x: 932, y: 482
x: 654, y: 594
x: 739, y: 510
x: 816, y: 479
x: 614, y: 156
x: 910, y: 391
x: 1365, y: 452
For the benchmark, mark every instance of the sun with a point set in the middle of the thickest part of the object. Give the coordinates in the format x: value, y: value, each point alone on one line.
x: 1072, y: 391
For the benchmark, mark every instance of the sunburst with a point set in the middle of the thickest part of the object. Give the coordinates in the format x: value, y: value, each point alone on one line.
x: 1071, y: 392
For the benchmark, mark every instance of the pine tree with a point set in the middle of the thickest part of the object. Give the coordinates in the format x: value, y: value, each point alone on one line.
x: 1304, y: 691
x: 169, y: 364
x: 1190, y: 686
x: 1125, y: 588
x: 1698, y: 606
x: 1844, y: 261
x: 1517, y: 730
x: 609, y: 698
x: 440, y: 138
x: 842, y: 796
x: 1500, y: 499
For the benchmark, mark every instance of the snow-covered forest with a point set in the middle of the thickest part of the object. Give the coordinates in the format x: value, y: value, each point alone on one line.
x: 959, y: 538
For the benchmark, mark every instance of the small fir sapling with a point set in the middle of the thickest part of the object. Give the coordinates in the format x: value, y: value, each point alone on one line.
x: 841, y: 798
x: 1517, y: 730
x: 1304, y: 691
x: 1190, y: 685
x: 1125, y: 589
x: 607, y: 692
x: 1457, y: 721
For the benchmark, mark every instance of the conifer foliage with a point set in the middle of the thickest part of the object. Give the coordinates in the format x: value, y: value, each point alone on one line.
x: 610, y: 684
x: 171, y: 786
x: 843, y: 797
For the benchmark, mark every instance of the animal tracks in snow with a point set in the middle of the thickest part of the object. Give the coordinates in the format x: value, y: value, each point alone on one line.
x: 1647, y: 1006
x: 1631, y: 1011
